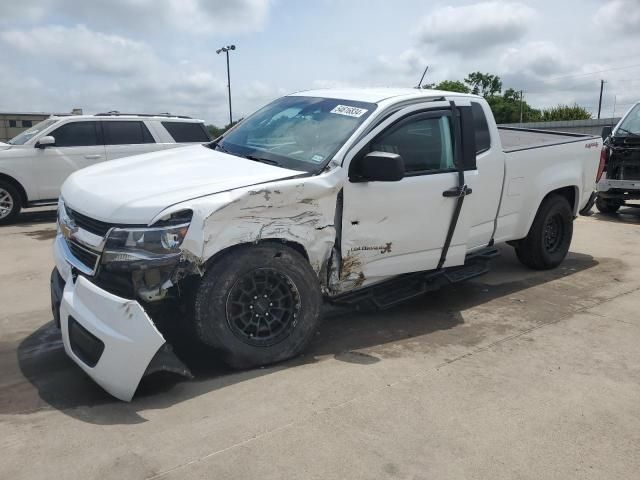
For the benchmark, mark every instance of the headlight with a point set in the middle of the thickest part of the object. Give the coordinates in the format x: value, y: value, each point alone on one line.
x: 153, y: 245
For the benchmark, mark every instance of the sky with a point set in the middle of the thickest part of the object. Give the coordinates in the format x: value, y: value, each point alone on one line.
x: 160, y: 55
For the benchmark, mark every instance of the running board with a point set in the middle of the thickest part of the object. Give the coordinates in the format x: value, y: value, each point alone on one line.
x: 42, y: 203
x: 399, y: 289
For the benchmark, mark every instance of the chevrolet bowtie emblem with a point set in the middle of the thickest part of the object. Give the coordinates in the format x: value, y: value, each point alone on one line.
x: 67, y: 227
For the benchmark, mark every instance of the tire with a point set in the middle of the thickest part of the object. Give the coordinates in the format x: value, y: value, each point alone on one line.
x: 549, y: 238
x: 606, y: 206
x: 10, y: 203
x: 285, y: 291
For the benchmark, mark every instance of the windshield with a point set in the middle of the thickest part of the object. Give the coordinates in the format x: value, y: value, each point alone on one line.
x: 27, y: 135
x: 300, y: 133
x: 630, y: 125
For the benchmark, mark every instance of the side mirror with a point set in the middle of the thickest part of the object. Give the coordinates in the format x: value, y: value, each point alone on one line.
x: 379, y: 167
x: 606, y: 131
x: 46, y: 141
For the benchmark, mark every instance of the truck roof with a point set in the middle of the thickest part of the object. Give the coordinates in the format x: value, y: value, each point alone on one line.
x: 376, y: 95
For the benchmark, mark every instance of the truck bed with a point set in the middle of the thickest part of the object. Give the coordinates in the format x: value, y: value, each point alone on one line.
x: 515, y: 139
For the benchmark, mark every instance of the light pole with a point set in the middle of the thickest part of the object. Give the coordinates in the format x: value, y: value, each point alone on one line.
x: 226, y: 50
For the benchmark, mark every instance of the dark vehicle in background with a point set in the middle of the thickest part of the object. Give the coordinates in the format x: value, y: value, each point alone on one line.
x: 619, y: 174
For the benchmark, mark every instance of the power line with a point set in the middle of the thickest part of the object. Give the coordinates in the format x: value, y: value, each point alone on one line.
x: 577, y: 75
x: 594, y: 73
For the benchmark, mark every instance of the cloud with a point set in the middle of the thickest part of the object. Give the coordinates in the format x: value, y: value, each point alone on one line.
x: 410, y: 61
x: 476, y: 28
x: 536, y: 59
x: 81, y: 49
x: 619, y: 16
x: 149, y: 16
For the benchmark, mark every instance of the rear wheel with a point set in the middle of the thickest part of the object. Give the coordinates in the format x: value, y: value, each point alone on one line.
x: 608, y: 206
x: 258, y: 305
x: 9, y: 203
x: 549, y: 238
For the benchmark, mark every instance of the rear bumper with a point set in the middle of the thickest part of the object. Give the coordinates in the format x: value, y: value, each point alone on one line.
x: 605, y: 185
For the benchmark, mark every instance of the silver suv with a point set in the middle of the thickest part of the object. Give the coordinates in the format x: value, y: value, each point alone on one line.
x: 34, y: 164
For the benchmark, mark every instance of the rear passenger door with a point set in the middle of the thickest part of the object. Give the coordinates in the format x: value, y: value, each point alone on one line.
x: 124, y: 138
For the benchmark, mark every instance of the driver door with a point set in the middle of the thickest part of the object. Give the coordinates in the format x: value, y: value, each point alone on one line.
x: 396, y: 227
x: 78, y: 145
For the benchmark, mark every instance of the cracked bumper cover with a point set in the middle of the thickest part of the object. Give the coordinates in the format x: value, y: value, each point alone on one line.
x: 111, y: 338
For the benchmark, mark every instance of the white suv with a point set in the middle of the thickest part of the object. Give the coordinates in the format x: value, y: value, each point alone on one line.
x: 34, y: 164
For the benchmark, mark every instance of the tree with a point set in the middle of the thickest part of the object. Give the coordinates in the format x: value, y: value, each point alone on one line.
x: 565, y: 112
x: 451, y: 86
x: 215, y: 131
x: 485, y: 84
x: 506, y: 108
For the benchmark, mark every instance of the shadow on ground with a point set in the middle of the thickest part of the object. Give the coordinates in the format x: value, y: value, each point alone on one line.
x: 342, y: 335
x: 624, y: 215
x: 30, y: 218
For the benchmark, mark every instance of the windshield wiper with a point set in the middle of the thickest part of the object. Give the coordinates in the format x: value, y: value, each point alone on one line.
x: 262, y: 160
x: 217, y: 146
x: 620, y: 129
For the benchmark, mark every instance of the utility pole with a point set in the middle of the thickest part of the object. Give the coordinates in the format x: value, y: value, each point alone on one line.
x: 521, y: 104
x: 600, y: 102
x: 226, y: 50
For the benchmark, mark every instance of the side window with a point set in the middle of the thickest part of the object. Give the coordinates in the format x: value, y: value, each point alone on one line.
x: 126, y: 132
x: 76, y: 134
x: 483, y: 138
x: 425, y: 144
x: 183, y: 132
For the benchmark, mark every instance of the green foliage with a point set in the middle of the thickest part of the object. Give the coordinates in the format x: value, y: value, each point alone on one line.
x: 485, y: 84
x: 450, y: 86
x: 565, y: 112
x: 506, y: 106
x: 215, y: 131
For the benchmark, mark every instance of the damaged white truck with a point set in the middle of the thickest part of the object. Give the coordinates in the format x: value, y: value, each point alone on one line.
x: 344, y: 196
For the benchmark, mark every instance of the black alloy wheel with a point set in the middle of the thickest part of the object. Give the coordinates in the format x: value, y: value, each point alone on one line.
x: 262, y: 307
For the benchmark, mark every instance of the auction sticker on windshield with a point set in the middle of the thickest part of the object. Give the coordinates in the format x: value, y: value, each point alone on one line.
x: 349, y: 111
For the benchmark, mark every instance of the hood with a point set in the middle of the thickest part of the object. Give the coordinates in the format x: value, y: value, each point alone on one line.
x: 135, y: 189
x: 4, y: 146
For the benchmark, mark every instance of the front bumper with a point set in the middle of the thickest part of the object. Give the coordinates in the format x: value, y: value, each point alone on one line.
x: 111, y: 338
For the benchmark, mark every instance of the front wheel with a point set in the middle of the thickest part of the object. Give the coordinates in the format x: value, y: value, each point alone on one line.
x: 549, y: 238
x: 607, y: 206
x: 258, y: 305
x: 9, y: 203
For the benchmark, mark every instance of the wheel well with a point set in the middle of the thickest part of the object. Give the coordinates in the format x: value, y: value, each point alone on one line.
x: 267, y: 241
x: 16, y: 184
x: 567, y: 192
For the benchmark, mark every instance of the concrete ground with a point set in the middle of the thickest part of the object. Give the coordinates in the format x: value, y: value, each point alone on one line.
x: 518, y: 374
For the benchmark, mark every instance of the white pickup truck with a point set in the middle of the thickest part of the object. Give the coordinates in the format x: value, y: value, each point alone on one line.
x: 344, y: 196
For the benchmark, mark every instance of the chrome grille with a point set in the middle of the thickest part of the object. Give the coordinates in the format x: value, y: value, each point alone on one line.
x: 96, y: 227
x: 85, y: 256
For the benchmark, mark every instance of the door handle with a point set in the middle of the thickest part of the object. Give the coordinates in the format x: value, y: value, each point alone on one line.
x: 457, y: 192
x: 92, y: 157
